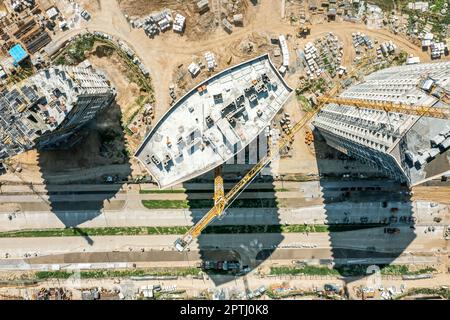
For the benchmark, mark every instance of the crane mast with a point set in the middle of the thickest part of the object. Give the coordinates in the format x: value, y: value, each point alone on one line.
x: 222, y: 200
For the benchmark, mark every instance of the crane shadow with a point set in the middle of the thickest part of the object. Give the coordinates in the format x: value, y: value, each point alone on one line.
x: 248, y: 233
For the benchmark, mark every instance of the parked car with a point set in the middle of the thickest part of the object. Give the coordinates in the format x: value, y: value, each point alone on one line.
x: 392, y: 230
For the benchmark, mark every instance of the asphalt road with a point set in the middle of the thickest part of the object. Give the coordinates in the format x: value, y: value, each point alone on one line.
x: 252, y: 249
x: 309, y: 202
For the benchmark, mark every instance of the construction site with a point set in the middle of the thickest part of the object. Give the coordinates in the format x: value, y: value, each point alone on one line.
x: 224, y: 114
x: 222, y: 150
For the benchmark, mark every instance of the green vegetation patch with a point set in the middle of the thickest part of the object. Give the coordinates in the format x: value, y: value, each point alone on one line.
x: 404, y: 270
x: 306, y: 270
x: 158, y: 191
x: 75, y: 52
x: 180, y: 272
x: 348, y: 270
x: 443, y: 292
x: 119, y: 231
x: 305, y: 104
x: 166, y: 204
x: 208, y: 203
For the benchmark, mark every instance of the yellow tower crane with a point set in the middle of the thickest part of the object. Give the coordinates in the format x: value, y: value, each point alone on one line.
x: 222, y: 201
x: 418, y: 110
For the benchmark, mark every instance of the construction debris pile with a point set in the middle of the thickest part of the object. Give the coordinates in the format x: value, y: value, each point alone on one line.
x: 141, y: 122
x: 161, y: 21
x: 53, y: 294
x: 379, y: 292
x: 284, y: 53
x: 285, y: 291
x: 210, y: 60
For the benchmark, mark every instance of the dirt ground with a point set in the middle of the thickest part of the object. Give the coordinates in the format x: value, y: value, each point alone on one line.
x: 165, y: 53
x: 198, y: 26
x: 90, y: 5
x: 194, y: 287
x: 440, y: 194
x: 250, y: 46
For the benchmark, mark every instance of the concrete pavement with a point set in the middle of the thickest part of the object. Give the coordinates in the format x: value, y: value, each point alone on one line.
x: 350, y: 212
x: 122, y: 208
x: 249, y: 246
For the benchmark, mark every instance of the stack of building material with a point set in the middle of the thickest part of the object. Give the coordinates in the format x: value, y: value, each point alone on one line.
x: 238, y: 19
x: 360, y: 39
x: 420, y: 6
x: 227, y: 25
x: 437, y: 49
x: 123, y: 46
x: 155, y: 22
x: 147, y: 291
x: 311, y: 57
x: 412, y: 60
x: 164, y: 23
x: 202, y: 6
x: 387, y: 48
x: 194, y: 69
x: 179, y: 22
x: 158, y: 16
x: 427, y: 39
x: 284, y: 50
x: 210, y: 60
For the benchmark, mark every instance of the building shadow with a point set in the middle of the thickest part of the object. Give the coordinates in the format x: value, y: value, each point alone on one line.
x: 248, y: 233
x: 83, y: 176
x: 369, y: 216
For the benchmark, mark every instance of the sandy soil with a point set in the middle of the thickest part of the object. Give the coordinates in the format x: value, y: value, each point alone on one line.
x: 252, y: 281
x: 199, y: 26
x: 163, y: 54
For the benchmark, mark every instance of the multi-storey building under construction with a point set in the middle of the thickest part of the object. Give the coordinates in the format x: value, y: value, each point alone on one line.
x: 408, y: 148
x: 46, y: 109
